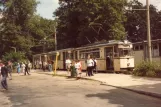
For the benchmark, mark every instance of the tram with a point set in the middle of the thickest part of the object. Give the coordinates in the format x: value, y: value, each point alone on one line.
x: 110, y: 55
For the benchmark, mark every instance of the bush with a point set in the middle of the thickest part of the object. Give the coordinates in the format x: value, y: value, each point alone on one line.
x: 14, y: 57
x: 150, y: 69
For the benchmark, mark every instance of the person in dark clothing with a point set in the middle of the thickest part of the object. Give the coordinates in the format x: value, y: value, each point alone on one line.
x: 108, y: 62
x: 26, y: 69
x: 4, y: 73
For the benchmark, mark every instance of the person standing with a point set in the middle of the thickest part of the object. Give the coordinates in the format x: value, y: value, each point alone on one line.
x: 68, y: 64
x: 78, y: 68
x: 23, y: 67
x: 50, y: 66
x: 4, y: 74
x: 18, y: 68
x: 108, y: 62
x: 90, y: 64
x: 26, y: 69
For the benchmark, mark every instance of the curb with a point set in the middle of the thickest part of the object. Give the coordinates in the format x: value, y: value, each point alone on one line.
x: 137, y: 91
x: 102, y: 83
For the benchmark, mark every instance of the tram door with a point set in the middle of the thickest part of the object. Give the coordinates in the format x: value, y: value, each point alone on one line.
x: 64, y: 58
x: 109, y: 58
x: 159, y: 49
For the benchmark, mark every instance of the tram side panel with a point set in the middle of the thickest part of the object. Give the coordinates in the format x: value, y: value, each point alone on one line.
x: 138, y: 56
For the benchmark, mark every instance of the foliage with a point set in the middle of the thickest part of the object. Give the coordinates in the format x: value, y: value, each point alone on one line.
x: 76, y: 16
x: 14, y: 57
x: 21, y: 28
x: 14, y: 33
x: 136, y: 24
x: 42, y: 30
x: 150, y: 69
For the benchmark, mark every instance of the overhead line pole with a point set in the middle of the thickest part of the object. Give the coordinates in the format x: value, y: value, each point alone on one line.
x: 55, y: 38
x: 148, y: 32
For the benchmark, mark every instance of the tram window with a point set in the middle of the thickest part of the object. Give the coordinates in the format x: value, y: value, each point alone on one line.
x: 126, y: 52
x: 155, y: 46
x: 94, y: 52
x: 136, y: 48
x: 141, y: 47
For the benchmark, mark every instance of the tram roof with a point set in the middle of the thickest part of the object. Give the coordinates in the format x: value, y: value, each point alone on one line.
x: 105, y: 43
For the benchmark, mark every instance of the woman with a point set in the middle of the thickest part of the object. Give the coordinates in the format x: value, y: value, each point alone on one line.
x: 90, y: 64
x: 78, y: 68
x: 18, y: 68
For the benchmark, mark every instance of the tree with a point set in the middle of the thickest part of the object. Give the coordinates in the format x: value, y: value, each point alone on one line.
x: 42, y: 31
x: 75, y: 16
x: 16, y: 14
x: 21, y: 28
x: 136, y: 24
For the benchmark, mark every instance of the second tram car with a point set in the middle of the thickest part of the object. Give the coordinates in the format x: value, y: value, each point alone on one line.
x: 110, y: 55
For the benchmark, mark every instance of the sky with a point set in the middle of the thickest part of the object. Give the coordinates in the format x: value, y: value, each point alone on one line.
x: 47, y: 7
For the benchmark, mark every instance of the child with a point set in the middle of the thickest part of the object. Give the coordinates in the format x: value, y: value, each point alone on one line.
x: 78, y: 68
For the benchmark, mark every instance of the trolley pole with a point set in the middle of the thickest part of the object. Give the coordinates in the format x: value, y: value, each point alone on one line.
x: 148, y: 32
x: 55, y: 38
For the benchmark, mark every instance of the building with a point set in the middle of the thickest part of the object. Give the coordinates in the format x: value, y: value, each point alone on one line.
x: 140, y: 50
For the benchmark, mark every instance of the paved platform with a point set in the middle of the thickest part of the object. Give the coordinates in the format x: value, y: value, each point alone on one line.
x: 142, y: 85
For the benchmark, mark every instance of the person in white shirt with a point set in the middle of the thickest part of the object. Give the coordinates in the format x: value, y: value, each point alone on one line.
x: 90, y: 65
x: 68, y: 64
x: 23, y: 67
x: 78, y: 67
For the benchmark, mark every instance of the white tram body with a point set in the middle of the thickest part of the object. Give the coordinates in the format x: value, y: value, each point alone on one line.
x: 110, y: 55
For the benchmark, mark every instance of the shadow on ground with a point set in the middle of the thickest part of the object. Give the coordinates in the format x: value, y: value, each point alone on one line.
x: 122, y: 98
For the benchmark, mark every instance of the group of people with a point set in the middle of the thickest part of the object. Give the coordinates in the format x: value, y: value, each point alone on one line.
x: 6, y: 69
x: 24, y: 68
x: 44, y: 65
x: 74, y: 66
x: 77, y: 66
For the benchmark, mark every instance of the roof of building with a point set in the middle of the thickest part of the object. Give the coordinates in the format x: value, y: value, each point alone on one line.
x: 156, y: 40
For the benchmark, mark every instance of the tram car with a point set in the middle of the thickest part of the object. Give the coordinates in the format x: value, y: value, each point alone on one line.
x: 140, y: 50
x: 110, y: 55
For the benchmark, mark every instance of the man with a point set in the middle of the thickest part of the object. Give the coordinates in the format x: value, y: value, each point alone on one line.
x: 68, y: 64
x: 26, y: 69
x: 4, y: 74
